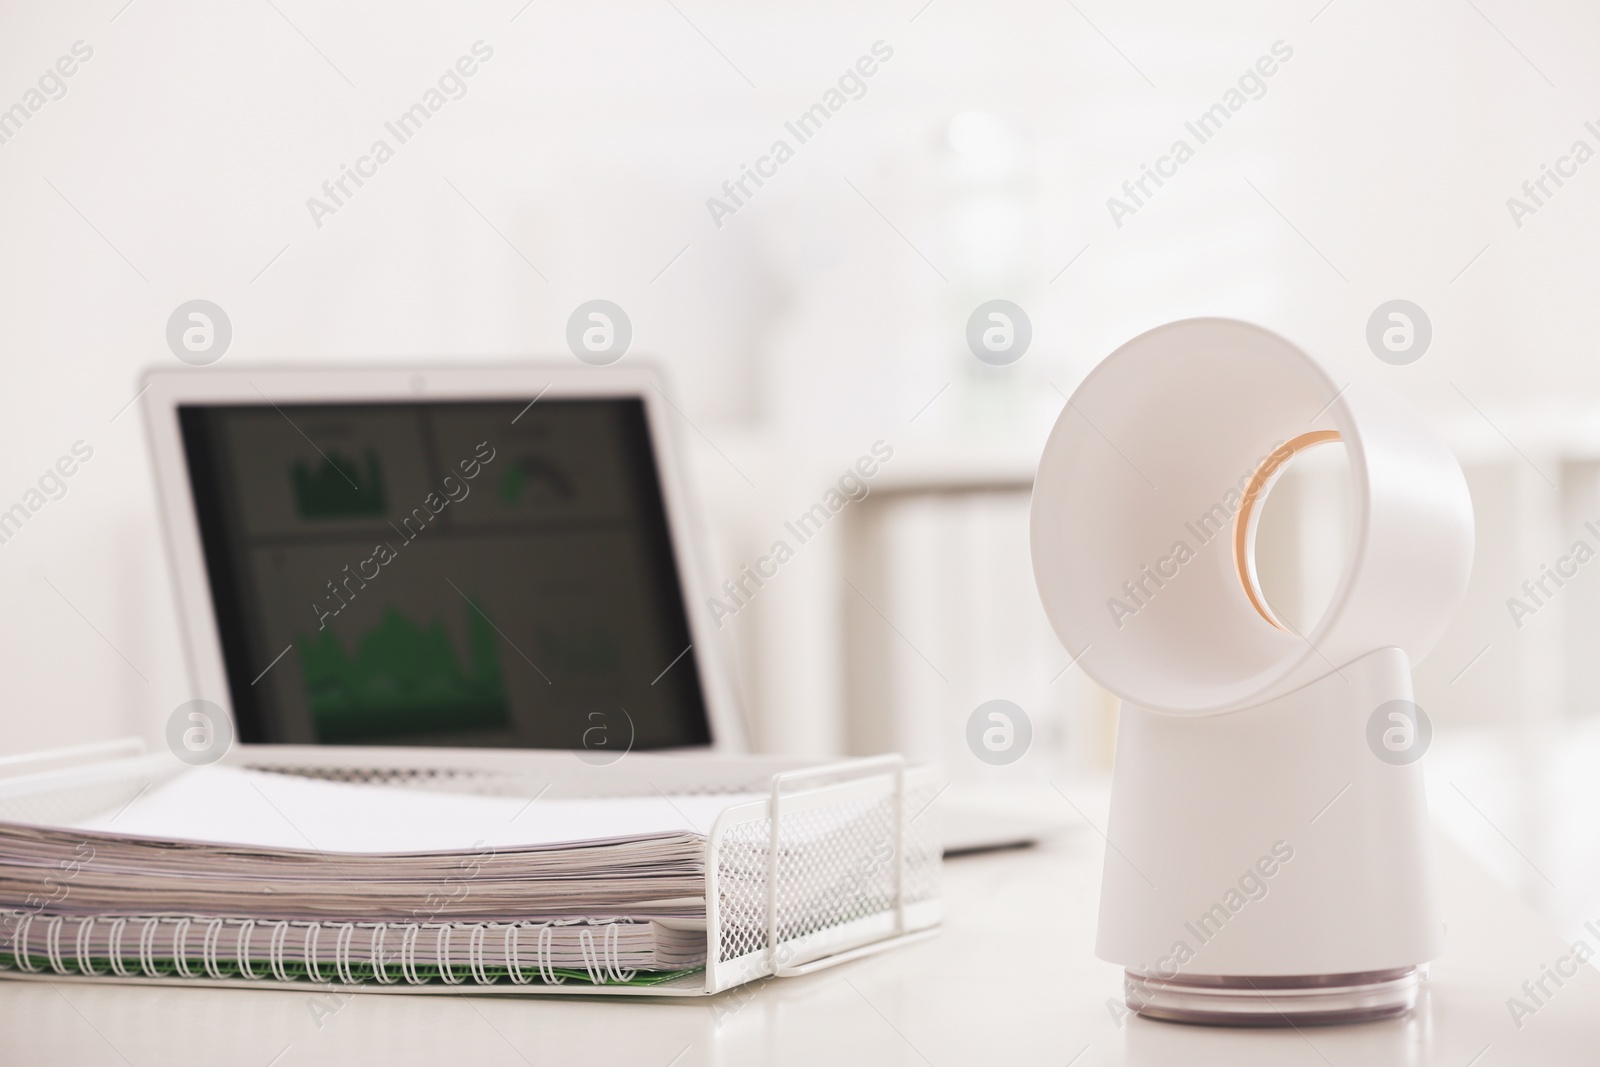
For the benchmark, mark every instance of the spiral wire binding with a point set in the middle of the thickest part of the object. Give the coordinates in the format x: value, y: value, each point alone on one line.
x: 209, y: 949
x: 546, y: 952
x: 408, y: 954
x: 85, y: 928
x: 243, y: 951
x: 180, y: 936
x: 280, y: 934
x: 52, y: 944
x: 118, y: 925
x: 447, y: 963
x: 475, y: 955
x: 513, y: 966
x: 341, y: 953
x: 380, y: 966
x: 313, y: 957
x: 601, y: 951
x: 600, y: 965
x: 147, y: 945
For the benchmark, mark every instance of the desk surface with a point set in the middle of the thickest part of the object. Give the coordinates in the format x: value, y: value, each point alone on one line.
x: 1011, y: 979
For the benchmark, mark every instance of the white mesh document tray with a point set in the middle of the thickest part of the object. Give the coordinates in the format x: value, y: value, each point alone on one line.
x: 836, y: 861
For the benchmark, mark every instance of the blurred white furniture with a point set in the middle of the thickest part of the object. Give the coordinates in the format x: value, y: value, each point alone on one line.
x: 939, y: 548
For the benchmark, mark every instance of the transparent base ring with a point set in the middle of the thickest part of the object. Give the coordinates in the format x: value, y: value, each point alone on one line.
x: 1278, y: 1000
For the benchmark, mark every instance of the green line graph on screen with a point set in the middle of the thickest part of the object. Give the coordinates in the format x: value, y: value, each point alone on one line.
x: 337, y: 487
x: 403, y: 678
x: 535, y: 479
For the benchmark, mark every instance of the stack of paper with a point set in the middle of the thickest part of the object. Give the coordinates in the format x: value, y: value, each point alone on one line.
x: 224, y: 871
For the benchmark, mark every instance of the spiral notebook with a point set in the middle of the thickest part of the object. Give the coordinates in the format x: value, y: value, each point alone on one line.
x: 227, y: 873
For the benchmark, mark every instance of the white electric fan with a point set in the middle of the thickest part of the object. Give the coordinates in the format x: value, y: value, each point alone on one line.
x: 1267, y: 863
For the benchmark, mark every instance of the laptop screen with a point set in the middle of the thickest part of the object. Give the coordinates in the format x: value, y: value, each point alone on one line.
x: 484, y: 574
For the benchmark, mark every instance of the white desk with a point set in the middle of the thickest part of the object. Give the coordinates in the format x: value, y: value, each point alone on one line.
x: 1011, y: 980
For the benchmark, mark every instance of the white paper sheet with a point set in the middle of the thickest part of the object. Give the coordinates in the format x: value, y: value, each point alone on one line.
x: 234, y: 805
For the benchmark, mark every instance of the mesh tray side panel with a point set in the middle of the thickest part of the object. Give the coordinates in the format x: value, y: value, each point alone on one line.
x: 836, y: 864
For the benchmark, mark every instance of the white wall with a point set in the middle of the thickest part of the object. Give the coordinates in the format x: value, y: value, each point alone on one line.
x: 179, y: 162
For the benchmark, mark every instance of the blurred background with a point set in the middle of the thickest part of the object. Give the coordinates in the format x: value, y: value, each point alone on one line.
x: 827, y: 311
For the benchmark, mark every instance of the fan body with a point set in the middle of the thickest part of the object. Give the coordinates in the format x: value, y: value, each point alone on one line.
x: 1268, y: 856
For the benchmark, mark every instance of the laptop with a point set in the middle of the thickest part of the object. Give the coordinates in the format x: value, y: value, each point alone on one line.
x: 437, y: 561
x: 412, y: 574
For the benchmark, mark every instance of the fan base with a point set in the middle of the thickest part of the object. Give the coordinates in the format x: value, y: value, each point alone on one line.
x: 1297, y: 1000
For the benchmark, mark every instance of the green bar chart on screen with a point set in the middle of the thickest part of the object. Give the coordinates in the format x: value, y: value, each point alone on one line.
x: 403, y: 677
